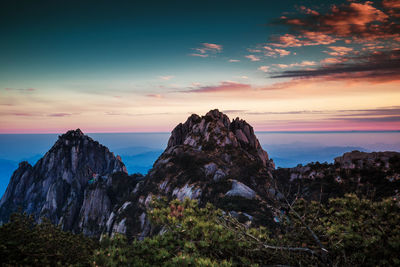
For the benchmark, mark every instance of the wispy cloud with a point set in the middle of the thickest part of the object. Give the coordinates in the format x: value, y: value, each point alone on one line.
x: 230, y: 111
x: 226, y: 86
x: 207, y: 49
x: 167, y: 77
x: 273, y: 52
x: 304, y: 39
x: 339, y: 50
x: 305, y: 63
x: 252, y: 57
x: 59, y: 114
x: 21, y: 90
x: 198, y: 55
x: 378, y: 67
x: 154, y: 95
x: 234, y: 60
x: 264, y: 68
x: 215, y: 47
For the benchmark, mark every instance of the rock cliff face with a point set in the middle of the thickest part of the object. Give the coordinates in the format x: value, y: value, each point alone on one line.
x: 57, y: 186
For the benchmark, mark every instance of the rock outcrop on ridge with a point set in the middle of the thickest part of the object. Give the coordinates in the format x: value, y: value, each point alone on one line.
x: 59, y: 186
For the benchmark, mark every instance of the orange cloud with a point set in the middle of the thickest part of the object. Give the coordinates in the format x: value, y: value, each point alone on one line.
x: 308, y: 38
x: 273, y: 52
x: 339, y: 50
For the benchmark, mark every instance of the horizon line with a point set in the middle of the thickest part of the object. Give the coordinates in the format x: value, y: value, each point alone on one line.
x: 266, y: 132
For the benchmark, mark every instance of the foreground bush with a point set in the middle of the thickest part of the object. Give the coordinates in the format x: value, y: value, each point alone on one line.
x: 345, y: 232
x: 24, y: 243
x: 356, y: 232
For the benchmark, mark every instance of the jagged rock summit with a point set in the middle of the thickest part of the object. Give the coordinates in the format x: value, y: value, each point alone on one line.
x: 56, y: 187
x: 211, y: 159
x: 216, y: 131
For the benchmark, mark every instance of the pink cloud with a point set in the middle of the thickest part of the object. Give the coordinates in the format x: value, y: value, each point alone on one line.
x: 207, y: 49
x: 226, y: 86
x: 391, y: 4
x: 154, y: 95
x: 167, y: 77
x: 288, y: 40
x: 252, y: 57
x: 273, y: 52
x: 339, y: 50
x: 331, y: 60
x: 234, y: 60
x: 213, y: 46
x: 355, y: 17
x: 307, y: 38
x: 59, y: 115
x: 308, y: 11
x: 198, y: 55
x: 264, y: 68
x: 305, y: 63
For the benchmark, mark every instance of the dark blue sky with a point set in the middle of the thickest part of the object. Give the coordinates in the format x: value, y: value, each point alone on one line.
x: 61, y: 38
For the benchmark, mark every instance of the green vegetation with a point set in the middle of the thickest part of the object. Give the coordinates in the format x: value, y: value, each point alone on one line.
x: 353, y: 231
x: 24, y: 243
x: 346, y: 231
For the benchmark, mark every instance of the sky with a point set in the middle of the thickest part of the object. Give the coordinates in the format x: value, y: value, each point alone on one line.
x: 145, y: 66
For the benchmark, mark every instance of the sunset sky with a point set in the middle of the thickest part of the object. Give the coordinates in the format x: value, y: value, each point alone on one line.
x: 130, y: 66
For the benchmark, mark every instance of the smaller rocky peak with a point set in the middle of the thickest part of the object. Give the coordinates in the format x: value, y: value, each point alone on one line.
x: 179, y: 133
x: 244, y: 132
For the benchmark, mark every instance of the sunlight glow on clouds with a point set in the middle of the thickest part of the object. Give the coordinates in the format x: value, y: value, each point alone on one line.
x: 329, y: 67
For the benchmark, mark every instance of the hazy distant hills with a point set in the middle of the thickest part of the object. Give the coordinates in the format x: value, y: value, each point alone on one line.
x: 289, y: 155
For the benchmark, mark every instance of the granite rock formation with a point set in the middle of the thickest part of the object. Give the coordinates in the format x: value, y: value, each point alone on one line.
x: 58, y: 185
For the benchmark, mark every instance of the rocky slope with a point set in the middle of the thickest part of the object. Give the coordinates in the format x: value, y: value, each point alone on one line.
x: 58, y: 186
x: 374, y: 175
x: 211, y: 159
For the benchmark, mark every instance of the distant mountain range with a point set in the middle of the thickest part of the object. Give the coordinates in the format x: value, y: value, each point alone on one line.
x: 83, y: 187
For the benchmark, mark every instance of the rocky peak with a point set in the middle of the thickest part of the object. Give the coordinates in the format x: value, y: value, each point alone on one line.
x: 211, y: 159
x: 55, y: 186
x: 215, y: 131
